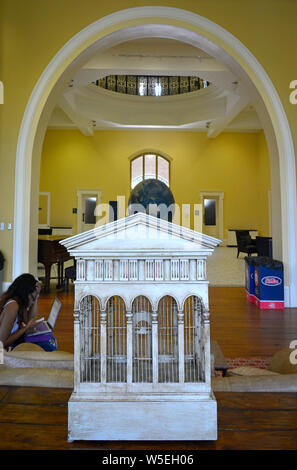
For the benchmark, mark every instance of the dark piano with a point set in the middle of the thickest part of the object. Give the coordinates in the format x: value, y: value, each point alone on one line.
x: 50, y: 252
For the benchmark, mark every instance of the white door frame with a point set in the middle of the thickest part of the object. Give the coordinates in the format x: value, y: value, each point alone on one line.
x: 48, y: 218
x: 80, y: 193
x: 177, y: 24
x: 220, y: 215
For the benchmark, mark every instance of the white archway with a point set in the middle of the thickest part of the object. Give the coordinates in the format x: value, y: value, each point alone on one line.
x: 175, y: 24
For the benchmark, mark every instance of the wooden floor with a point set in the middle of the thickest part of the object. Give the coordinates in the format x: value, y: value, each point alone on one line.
x: 240, y: 328
x: 36, y: 418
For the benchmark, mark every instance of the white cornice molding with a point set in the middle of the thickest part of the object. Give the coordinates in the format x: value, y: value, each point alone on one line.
x: 141, y: 220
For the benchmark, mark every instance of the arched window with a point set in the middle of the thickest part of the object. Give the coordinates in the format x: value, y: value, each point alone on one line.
x: 149, y: 166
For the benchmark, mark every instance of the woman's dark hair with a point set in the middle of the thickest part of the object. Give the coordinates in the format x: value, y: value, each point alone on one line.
x: 19, y: 290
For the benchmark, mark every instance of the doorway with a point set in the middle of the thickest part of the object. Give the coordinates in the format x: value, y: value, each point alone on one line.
x: 212, y: 211
x: 44, y: 209
x: 88, y: 200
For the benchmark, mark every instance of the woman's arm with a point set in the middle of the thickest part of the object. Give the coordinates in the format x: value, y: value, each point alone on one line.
x: 9, y: 316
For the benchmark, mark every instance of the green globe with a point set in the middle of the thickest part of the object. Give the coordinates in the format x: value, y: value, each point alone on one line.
x: 152, y: 192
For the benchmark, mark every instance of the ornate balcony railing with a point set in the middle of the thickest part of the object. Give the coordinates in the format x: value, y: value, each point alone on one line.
x: 146, y: 85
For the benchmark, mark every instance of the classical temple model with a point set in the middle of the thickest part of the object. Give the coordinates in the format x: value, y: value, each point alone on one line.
x: 142, y: 366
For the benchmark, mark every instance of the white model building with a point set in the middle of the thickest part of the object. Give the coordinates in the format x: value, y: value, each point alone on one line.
x: 141, y: 333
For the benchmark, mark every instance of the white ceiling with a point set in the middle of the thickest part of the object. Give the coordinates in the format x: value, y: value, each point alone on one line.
x: 223, y: 106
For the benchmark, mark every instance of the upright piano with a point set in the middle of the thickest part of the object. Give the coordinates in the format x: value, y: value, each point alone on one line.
x: 50, y: 252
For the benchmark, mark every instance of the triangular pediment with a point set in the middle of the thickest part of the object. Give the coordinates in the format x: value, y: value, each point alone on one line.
x: 138, y: 233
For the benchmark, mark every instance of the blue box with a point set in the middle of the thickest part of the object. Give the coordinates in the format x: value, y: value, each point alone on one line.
x: 269, y: 284
x: 250, y: 262
x: 249, y: 278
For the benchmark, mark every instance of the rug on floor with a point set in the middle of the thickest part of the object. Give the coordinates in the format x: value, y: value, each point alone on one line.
x: 261, y: 362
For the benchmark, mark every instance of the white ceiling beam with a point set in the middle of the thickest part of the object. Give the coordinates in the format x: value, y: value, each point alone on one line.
x: 235, y: 104
x: 221, y: 78
x: 66, y: 103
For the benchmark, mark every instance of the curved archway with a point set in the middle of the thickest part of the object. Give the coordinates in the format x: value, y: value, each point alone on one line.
x: 191, y: 296
x: 89, y: 297
x: 150, y: 150
x: 175, y: 24
x: 169, y: 295
x: 141, y: 303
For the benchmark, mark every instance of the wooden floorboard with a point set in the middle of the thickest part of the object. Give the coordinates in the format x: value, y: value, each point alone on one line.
x: 33, y: 436
x: 36, y: 396
x: 36, y: 418
x: 245, y: 421
x: 27, y: 414
x: 248, y: 420
x: 257, y: 401
x: 3, y: 392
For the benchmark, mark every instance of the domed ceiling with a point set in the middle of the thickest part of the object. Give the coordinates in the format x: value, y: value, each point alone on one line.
x: 155, y: 83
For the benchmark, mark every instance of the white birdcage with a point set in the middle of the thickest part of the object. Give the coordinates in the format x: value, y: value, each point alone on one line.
x: 141, y: 333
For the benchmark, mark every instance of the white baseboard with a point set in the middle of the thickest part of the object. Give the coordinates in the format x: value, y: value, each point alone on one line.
x: 289, y: 297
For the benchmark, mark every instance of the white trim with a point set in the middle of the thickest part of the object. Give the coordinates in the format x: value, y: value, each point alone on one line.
x: 220, y: 195
x: 261, y: 80
x: 48, y: 218
x: 287, y: 295
x: 141, y: 152
x: 270, y: 211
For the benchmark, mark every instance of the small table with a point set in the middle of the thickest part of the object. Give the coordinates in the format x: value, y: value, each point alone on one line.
x: 220, y: 362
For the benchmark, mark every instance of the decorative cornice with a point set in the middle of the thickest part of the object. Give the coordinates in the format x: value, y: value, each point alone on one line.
x: 140, y: 219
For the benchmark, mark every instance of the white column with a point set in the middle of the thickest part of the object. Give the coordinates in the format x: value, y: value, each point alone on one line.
x: 81, y: 270
x: 181, y: 347
x: 206, y: 342
x: 129, y: 317
x: 155, y: 352
x: 197, y: 334
x: 103, y: 345
x: 76, y: 349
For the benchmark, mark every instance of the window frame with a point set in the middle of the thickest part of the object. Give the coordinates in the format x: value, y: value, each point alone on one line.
x: 142, y: 155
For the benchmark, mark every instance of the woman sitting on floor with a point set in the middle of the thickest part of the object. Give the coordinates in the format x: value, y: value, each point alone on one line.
x: 18, y: 311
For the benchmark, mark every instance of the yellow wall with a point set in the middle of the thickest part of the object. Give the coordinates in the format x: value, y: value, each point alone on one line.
x: 236, y: 163
x: 32, y: 32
